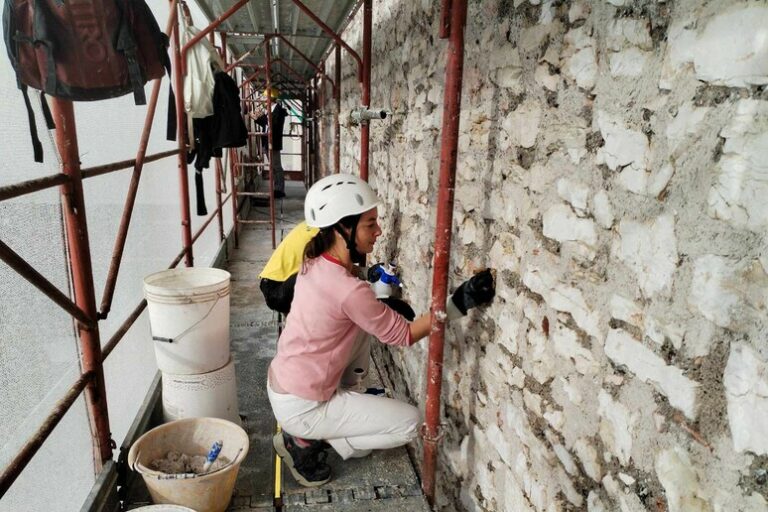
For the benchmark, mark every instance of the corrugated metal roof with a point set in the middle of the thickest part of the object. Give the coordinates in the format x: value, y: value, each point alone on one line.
x: 245, y: 28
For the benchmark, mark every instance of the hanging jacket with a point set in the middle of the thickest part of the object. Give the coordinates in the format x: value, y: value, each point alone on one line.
x: 202, y: 63
x: 228, y: 127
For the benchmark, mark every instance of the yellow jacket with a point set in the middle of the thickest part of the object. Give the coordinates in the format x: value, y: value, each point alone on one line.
x: 287, y: 258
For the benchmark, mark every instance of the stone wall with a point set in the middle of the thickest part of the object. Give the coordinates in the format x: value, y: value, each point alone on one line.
x: 613, y: 169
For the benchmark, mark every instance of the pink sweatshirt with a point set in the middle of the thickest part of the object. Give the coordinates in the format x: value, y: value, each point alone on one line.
x: 330, y: 307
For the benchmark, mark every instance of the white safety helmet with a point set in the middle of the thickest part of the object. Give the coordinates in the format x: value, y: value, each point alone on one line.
x: 335, y: 197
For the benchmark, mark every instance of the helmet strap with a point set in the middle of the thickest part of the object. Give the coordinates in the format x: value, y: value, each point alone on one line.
x: 354, y: 254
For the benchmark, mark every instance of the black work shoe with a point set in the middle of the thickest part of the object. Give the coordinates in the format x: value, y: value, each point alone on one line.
x: 307, y: 464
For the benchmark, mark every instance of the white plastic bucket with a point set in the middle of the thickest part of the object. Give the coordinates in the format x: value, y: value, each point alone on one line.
x: 212, y: 394
x: 189, y: 317
x: 209, y: 492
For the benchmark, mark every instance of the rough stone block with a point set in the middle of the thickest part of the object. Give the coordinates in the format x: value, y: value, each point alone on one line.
x: 566, y: 344
x: 602, y: 210
x: 732, y: 294
x: 563, y: 298
x: 622, y: 146
x: 650, y: 250
x: 617, y: 426
x: 623, y: 349
x: 731, y: 49
x: 579, y: 57
x: 562, y: 224
x: 680, y: 481
x: 746, y: 388
x: 742, y: 184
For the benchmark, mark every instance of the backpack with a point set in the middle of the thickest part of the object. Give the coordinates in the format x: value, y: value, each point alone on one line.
x: 83, y: 50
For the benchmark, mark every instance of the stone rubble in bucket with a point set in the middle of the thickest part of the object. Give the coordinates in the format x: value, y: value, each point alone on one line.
x: 178, y: 463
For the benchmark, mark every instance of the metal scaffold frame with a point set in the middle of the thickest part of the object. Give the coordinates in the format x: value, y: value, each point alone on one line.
x: 311, y: 95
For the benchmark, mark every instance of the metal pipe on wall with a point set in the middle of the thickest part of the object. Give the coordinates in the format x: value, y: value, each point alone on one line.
x: 444, y: 221
x: 322, y: 124
x: 73, y: 207
x: 337, y: 114
x: 365, y: 127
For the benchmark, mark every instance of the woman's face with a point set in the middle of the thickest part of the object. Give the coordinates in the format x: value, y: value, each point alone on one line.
x: 368, y: 230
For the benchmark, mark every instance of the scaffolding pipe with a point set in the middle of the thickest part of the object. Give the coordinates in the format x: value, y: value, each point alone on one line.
x: 365, y: 127
x: 29, y: 186
x: 130, y: 200
x: 337, y: 125
x: 219, y: 202
x: 181, y: 138
x: 25, y: 270
x: 321, y: 124
x: 314, y: 66
x: 291, y: 69
x: 73, y: 207
x: 100, y: 170
x: 333, y: 35
x: 444, y: 221
x: 204, y: 32
x: 33, y: 444
x: 270, y: 138
x: 233, y: 186
x: 122, y: 330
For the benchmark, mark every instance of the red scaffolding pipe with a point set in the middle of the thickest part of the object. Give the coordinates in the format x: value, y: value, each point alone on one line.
x: 448, y: 155
x: 270, y: 138
x: 333, y: 35
x: 365, y: 127
x: 25, y: 270
x: 73, y: 206
x: 336, y: 115
x: 303, y: 56
x: 181, y: 138
x: 33, y: 444
x: 130, y: 200
x: 204, y: 32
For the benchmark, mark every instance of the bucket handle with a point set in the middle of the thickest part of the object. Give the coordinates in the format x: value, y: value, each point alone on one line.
x: 186, y: 331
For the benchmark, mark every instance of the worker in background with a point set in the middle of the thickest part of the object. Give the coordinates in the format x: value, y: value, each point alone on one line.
x: 279, y: 113
x: 331, y: 310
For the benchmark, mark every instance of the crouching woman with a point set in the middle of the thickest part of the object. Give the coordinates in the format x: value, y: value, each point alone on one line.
x: 325, y: 339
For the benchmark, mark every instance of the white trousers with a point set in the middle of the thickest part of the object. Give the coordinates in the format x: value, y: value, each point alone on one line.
x: 353, y: 423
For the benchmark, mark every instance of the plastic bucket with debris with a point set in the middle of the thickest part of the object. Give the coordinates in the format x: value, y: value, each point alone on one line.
x: 189, y: 317
x: 203, y: 492
x: 212, y: 394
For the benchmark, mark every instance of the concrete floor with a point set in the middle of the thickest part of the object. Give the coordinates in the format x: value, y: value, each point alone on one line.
x: 383, y: 481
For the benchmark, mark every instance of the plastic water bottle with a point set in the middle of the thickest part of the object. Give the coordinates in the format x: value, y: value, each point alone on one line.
x: 213, y: 453
x: 388, y: 280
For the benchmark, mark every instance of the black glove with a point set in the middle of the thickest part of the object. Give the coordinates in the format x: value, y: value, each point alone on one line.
x: 475, y: 291
x: 374, y: 272
x: 401, y: 307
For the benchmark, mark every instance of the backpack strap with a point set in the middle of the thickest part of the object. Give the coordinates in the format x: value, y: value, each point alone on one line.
x: 40, y: 39
x: 126, y: 45
x: 170, y: 129
x: 47, y: 112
